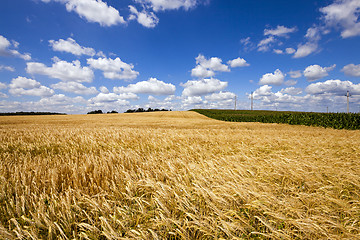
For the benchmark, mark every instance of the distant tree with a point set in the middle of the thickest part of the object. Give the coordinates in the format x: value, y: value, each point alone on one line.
x: 30, y: 113
x: 113, y: 111
x: 95, y: 112
x: 143, y: 110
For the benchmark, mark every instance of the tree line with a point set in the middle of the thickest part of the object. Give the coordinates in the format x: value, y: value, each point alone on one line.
x: 131, y: 111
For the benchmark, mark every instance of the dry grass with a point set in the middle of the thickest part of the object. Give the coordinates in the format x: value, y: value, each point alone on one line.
x: 175, y: 175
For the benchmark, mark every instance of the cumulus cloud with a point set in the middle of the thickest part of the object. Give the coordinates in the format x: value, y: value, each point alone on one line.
x: 295, y: 74
x: 273, y: 35
x: 74, y: 87
x: 313, y: 35
x: 264, y: 45
x: 352, y: 70
x: 343, y: 14
x: 71, y: 46
x: 278, y: 51
x: 162, y: 5
x: 65, y: 71
x: 333, y: 87
x: 25, y: 86
x: 315, y: 72
x: 290, y: 50
x: 112, y: 97
x: 238, y: 62
x: 202, y: 87
x: 279, y: 31
x: 151, y: 86
x: 95, y: 11
x: 207, y: 67
x: 61, y: 99
x: 7, y: 49
x: 305, y: 49
x: 114, y: 68
x: 104, y: 89
x: 3, y: 85
x: 262, y: 91
x: 7, y: 68
x: 220, y: 96
x: 290, y: 82
x: 191, y: 100
x: 276, y: 78
x: 291, y: 91
x: 147, y: 19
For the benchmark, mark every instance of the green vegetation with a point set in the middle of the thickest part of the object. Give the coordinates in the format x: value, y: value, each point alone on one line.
x: 332, y: 120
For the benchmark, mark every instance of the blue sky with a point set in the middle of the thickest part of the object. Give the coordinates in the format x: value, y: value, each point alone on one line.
x: 75, y: 56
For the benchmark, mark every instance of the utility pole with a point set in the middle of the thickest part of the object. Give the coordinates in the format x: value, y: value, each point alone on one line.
x: 347, y: 96
x: 252, y: 101
x: 327, y: 109
x: 235, y: 103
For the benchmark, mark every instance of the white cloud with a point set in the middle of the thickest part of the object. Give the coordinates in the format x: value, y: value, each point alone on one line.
x: 3, y: 95
x: 66, y: 71
x: 104, y: 89
x: 352, y: 70
x: 290, y: 50
x: 264, y: 44
x: 5, y: 49
x: 333, y: 87
x: 238, y: 62
x: 114, y: 68
x: 220, y: 96
x: 3, y: 85
x: 262, y: 91
x: 93, y: 11
x: 7, y: 68
x: 313, y: 33
x: 343, y: 14
x: 279, y: 31
x: 162, y: 5
x: 291, y: 91
x: 276, y: 78
x: 152, y: 99
x: 147, y: 19
x: 207, y: 67
x: 295, y: 74
x: 112, y: 97
x: 202, y: 87
x: 71, y: 46
x: 25, y: 86
x: 315, y: 72
x: 290, y: 82
x: 74, y: 87
x: 151, y: 86
x: 61, y: 99
x: 305, y: 49
x: 201, y: 72
x: 191, y: 100
x: 247, y: 43
x: 278, y: 51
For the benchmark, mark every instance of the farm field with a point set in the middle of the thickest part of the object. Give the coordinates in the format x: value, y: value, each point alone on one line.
x: 328, y: 120
x: 175, y: 175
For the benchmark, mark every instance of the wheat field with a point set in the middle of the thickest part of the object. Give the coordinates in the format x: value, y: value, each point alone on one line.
x: 175, y: 175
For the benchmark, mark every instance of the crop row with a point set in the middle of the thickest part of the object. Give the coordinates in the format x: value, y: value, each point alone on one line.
x: 328, y: 120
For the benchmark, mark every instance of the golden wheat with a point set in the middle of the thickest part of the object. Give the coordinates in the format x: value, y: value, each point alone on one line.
x: 175, y: 175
